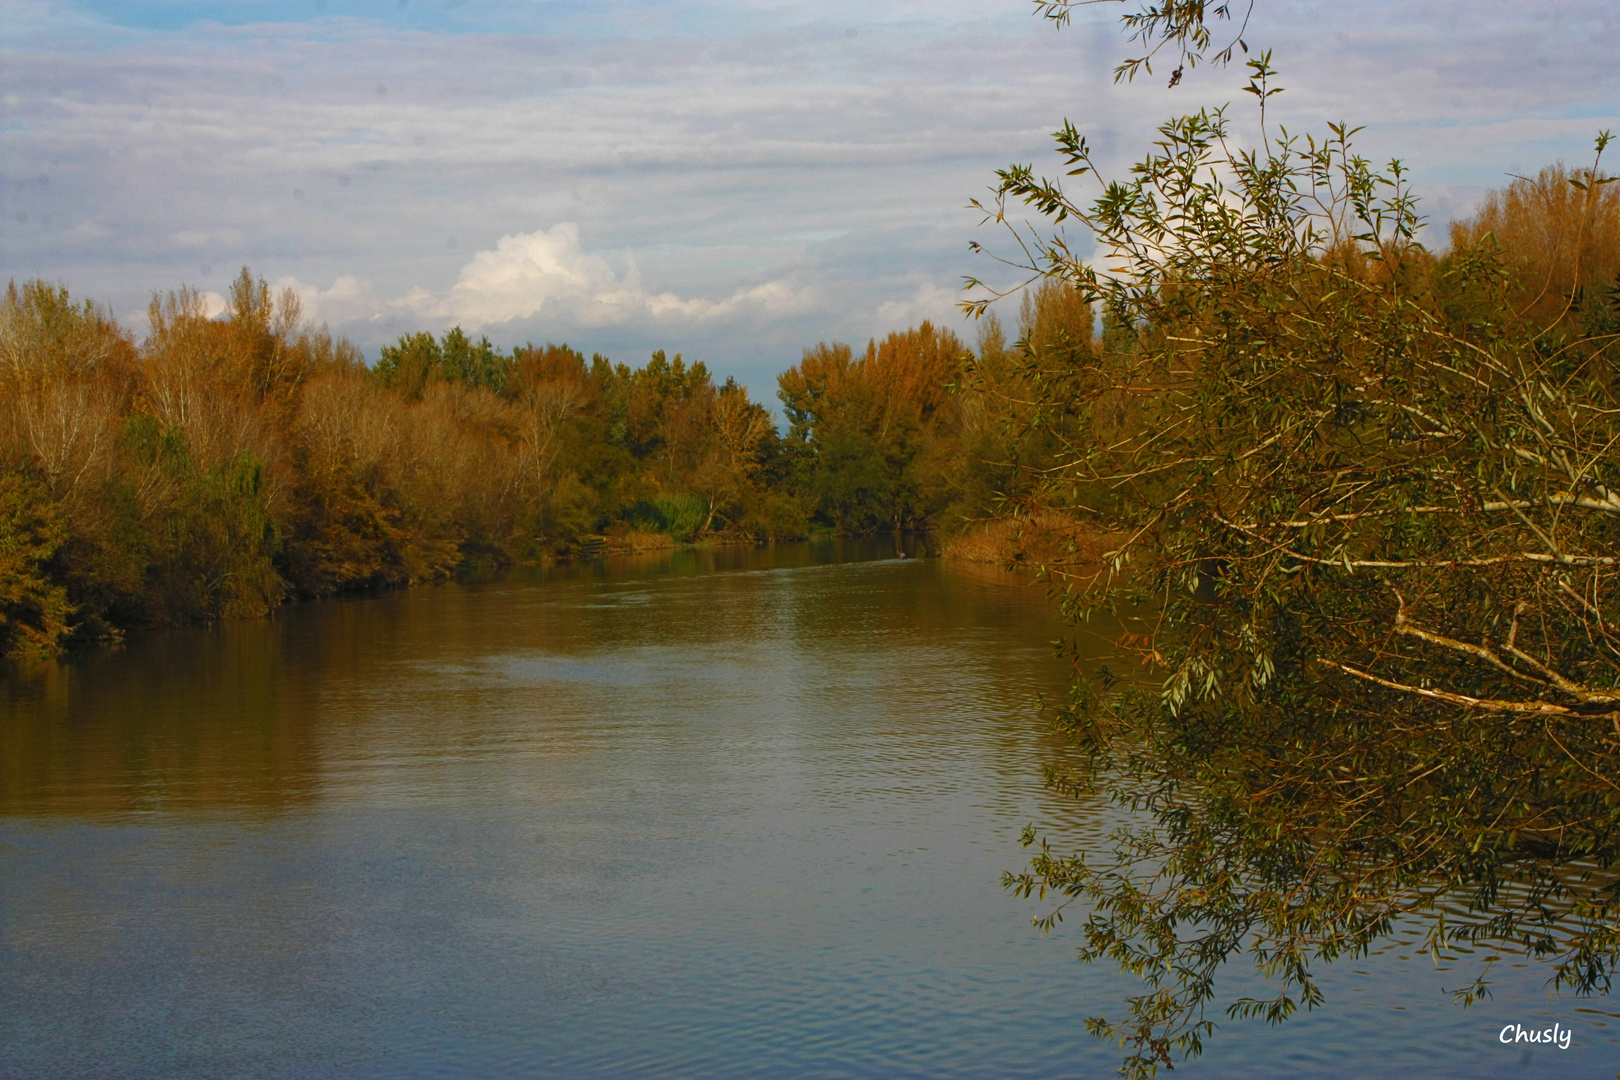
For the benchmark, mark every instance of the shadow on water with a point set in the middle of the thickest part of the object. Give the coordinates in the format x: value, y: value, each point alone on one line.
x: 187, y: 718
x: 229, y: 716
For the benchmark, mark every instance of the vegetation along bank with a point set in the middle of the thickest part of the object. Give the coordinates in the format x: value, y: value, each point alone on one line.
x: 222, y: 466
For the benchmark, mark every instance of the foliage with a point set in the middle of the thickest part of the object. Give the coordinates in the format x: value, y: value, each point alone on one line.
x: 34, y: 611
x: 225, y: 464
x: 681, y: 516
x: 417, y: 361
x: 871, y: 438
x: 1008, y: 438
x: 1184, y: 25
x: 1368, y: 498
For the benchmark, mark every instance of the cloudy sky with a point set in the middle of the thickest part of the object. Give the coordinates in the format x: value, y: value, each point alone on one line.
x: 730, y: 179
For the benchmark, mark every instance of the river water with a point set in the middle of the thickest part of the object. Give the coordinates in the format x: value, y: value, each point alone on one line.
x: 708, y: 813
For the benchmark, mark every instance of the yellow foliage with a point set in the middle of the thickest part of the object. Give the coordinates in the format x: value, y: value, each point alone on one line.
x: 1560, y: 231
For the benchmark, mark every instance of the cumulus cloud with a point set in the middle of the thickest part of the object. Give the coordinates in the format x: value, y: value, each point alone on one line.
x: 214, y: 304
x: 541, y: 273
x: 526, y: 271
x: 933, y: 302
x: 350, y: 301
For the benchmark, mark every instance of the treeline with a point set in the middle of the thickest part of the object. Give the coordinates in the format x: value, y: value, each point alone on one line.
x: 224, y: 465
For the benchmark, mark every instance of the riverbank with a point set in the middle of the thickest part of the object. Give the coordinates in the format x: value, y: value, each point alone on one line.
x: 1050, y: 542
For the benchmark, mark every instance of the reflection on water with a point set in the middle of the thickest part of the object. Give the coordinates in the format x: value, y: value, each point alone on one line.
x: 735, y: 812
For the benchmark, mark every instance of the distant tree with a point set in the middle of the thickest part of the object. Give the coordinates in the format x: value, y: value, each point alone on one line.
x: 409, y: 365
x: 727, y: 477
x: 66, y: 370
x: 668, y: 406
x: 35, y: 614
x: 870, y: 434
x: 262, y: 328
x: 475, y: 365
x: 1560, y: 235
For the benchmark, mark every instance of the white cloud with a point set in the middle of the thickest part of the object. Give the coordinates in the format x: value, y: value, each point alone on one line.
x: 350, y: 302
x: 932, y: 302
x: 541, y: 273
x: 745, y: 149
x: 525, y: 271
x: 87, y: 230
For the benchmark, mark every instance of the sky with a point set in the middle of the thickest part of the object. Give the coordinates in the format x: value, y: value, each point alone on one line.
x: 733, y: 180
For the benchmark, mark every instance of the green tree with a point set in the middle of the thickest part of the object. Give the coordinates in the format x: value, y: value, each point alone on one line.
x: 417, y: 360
x: 34, y: 610
x: 409, y: 365
x: 473, y: 364
x: 870, y: 436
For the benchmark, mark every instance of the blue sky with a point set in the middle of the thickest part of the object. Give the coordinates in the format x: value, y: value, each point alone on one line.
x: 730, y: 180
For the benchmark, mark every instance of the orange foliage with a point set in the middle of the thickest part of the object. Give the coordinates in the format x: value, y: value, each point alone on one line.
x: 1560, y: 231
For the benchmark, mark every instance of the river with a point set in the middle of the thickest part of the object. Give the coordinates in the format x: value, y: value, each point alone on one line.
x: 739, y: 812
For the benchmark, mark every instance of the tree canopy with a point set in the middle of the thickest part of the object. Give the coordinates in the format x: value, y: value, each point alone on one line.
x: 1359, y: 503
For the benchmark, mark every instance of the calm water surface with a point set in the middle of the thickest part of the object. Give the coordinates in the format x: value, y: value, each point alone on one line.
x: 735, y: 813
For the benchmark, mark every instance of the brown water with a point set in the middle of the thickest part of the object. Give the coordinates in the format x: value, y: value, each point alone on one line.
x: 728, y: 813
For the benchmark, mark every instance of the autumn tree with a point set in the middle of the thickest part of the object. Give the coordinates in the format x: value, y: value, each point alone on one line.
x: 1559, y: 235
x: 231, y: 461
x: 1364, y: 534
x: 35, y: 612
x: 728, y: 474
x: 1011, y: 429
x: 872, y: 434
